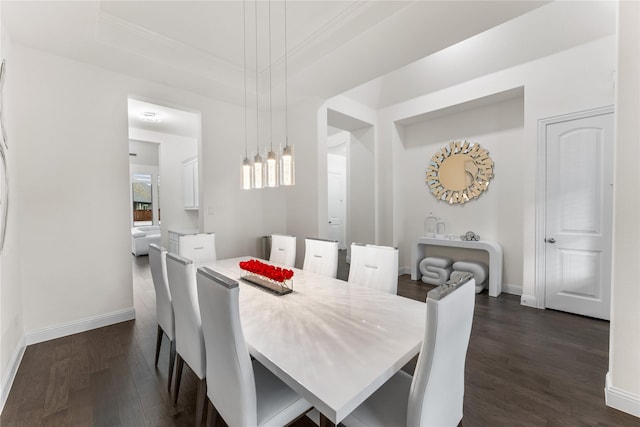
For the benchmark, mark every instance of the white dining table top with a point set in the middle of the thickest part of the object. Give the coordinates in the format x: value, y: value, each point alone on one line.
x: 334, y: 343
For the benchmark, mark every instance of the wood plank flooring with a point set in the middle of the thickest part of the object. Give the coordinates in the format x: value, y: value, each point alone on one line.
x: 525, y: 367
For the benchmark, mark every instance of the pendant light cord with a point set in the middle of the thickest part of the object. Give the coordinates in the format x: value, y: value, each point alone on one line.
x: 257, y: 109
x: 244, y: 56
x: 270, y: 103
x: 286, y: 80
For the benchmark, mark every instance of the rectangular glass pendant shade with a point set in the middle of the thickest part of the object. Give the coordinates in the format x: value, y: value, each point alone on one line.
x: 287, y: 166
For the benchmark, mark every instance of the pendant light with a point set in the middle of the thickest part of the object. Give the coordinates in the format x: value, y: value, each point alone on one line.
x: 287, y: 164
x: 271, y: 172
x: 246, y: 164
x: 258, y: 170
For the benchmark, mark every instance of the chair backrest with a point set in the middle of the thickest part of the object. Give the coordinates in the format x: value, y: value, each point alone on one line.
x: 199, y: 248
x: 437, y: 388
x: 230, y: 378
x: 283, y: 250
x: 189, y: 341
x: 375, y: 267
x: 321, y: 256
x: 164, y: 309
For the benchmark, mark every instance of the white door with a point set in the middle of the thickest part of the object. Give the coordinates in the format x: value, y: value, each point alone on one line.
x: 579, y: 204
x: 336, y: 193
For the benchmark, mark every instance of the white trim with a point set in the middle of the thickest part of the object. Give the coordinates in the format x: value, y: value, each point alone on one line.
x: 404, y: 270
x: 77, y: 326
x: 529, y: 301
x: 10, y: 374
x: 512, y: 288
x: 620, y: 399
x: 541, y: 197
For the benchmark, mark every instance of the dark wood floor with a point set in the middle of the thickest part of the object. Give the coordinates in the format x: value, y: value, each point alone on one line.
x: 525, y: 367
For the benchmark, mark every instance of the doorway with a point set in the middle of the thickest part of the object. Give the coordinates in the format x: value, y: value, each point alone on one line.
x: 577, y: 213
x: 163, y: 142
x: 350, y: 180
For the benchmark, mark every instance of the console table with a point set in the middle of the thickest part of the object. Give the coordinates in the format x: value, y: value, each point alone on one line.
x: 419, y: 251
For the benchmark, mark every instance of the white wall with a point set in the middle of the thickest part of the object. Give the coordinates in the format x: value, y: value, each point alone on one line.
x: 573, y: 80
x: 623, y: 380
x: 306, y: 202
x: 73, y: 176
x: 12, y: 341
x: 495, y: 215
x: 361, y: 187
x: 73, y: 171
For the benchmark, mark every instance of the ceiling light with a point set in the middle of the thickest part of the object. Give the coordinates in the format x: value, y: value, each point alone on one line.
x: 245, y: 177
x: 271, y: 169
x: 258, y: 170
x: 150, y: 117
x: 287, y: 164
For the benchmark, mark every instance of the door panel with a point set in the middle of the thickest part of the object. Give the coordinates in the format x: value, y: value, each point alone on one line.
x: 579, y: 191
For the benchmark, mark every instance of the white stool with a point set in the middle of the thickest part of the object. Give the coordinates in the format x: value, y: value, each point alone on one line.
x: 480, y: 272
x: 435, y: 270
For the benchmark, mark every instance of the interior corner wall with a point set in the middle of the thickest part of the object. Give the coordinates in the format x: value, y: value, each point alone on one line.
x: 623, y: 380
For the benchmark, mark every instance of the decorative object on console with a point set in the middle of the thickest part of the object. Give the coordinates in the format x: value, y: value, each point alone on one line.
x: 275, y: 279
x: 470, y: 236
x: 480, y: 271
x: 441, y: 228
x: 430, y: 225
x: 459, y: 172
x: 435, y: 270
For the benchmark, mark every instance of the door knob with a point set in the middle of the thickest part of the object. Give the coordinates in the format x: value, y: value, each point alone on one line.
x: 550, y: 240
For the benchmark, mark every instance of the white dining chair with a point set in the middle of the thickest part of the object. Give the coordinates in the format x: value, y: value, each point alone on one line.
x: 321, y: 256
x: 243, y: 391
x: 189, y: 340
x: 434, y: 396
x: 199, y: 248
x: 283, y: 250
x: 164, y: 309
x: 374, y: 267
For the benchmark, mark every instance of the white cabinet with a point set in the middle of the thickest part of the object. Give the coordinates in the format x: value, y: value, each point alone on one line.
x: 174, y: 239
x: 190, y: 183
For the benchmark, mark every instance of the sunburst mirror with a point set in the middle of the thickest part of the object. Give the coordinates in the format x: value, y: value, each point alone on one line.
x: 459, y: 172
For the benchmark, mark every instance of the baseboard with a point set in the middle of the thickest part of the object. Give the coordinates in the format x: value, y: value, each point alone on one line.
x: 404, y: 270
x: 510, y: 288
x: 10, y: 375
x: 529, y: 301
x: 77, y: 326
x: 620, y: 399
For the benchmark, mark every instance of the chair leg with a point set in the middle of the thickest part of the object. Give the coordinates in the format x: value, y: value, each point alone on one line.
x: 201, y: 402
x: 172, y: 360
x: 179, y: 366
x: 158, y: 343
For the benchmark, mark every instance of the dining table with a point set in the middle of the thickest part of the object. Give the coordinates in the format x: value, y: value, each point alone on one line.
x: 333, y: 342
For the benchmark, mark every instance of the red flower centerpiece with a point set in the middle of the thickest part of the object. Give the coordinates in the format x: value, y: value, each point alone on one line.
x: 274, y: 278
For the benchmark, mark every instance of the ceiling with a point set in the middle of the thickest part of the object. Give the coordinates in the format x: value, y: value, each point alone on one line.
x: 169, y: 120
x: 332, y: 46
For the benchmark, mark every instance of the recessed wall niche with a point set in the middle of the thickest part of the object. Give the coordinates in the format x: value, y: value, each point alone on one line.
x: 497, y: 124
